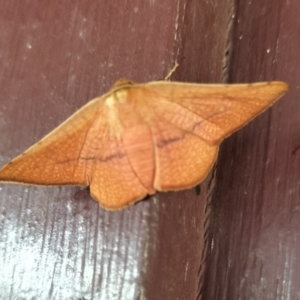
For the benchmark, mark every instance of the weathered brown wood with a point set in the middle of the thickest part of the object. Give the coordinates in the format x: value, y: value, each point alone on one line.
x: 254, y: 230
x: 57, y: 243
x: 176, y: 260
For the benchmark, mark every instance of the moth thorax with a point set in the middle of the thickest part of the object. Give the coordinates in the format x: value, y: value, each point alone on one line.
x: 119, y: 96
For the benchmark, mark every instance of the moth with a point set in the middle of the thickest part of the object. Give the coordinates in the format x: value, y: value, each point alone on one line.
x: 141, y: 138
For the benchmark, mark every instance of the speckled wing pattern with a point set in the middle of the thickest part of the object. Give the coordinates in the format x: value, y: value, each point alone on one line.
x: 139, y: 138
x: 191, y: 120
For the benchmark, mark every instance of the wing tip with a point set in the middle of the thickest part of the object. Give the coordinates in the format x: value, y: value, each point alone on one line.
x: 281, y: 85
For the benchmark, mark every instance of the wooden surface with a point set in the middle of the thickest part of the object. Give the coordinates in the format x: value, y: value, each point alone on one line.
x: 238, y: 239
x: 254, y: 234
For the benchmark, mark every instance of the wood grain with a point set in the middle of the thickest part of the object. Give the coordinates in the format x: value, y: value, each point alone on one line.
x: 58, y: 243
x: 240, y: 242
x: 254, y: 232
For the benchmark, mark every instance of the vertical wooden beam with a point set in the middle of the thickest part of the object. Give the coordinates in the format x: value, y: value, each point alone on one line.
x: 254, y: 229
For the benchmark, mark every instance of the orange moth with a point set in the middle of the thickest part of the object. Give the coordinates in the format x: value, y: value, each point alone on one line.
x: 141, y: 138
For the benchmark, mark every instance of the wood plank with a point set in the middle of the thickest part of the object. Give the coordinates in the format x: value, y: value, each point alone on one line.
x: 254, y: 229
x: 57, y: 243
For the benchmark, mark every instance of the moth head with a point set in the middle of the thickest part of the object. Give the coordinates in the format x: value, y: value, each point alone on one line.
x: 121, y: 83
